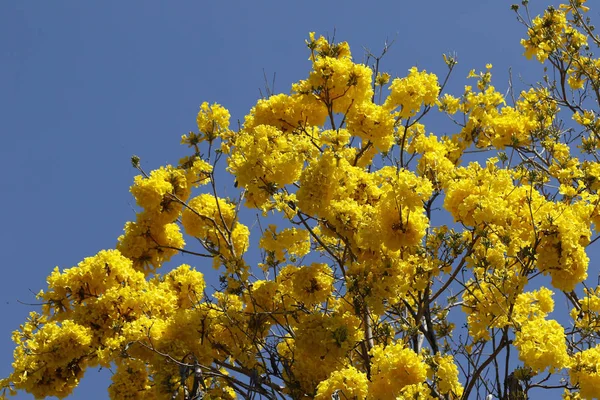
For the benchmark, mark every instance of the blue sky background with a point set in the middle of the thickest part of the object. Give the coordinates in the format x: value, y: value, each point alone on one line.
x: 84, y: 85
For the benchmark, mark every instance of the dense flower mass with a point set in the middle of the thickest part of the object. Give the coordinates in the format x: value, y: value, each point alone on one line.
x: 359, y: 255
x: 393, y: 369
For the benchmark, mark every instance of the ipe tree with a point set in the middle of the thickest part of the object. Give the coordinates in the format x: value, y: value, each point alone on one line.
x: 385, y: 265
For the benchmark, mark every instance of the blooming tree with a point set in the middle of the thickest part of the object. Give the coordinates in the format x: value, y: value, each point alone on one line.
x: 376, y: 239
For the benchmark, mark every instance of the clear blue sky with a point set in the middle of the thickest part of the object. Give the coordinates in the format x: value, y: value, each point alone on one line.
x: 84, y: 85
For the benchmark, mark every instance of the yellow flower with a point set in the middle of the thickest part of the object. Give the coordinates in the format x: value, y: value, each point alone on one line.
x: 393, y: 368
x: 212, y: 120
x: 294, y: 241
x: 584, y: 372
x: 446, y: 374
x: 349, y: 381
x: 411, y: 92
x: 542, y: 345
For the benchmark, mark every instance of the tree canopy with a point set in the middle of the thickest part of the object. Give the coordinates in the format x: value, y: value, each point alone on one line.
x: 394, y: 263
